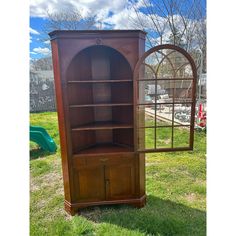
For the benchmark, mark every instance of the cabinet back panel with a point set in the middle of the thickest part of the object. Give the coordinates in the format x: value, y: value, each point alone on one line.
x: 123, y: 114
x: 80, y: 94
x: 123, y: 136
x: 101, y: 93
x: 80, y: 67
x: 122, y: 92
x: 102, y: 113
x: 104, y: 136
x: 81, y: 116
x: 82, y: 140
x: 120, y: 68
x: 100, y: 63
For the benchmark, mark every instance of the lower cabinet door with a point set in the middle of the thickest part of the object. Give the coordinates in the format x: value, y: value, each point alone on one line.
x: 120, y: 181
x: 89, y: 183
x: 104, y: 178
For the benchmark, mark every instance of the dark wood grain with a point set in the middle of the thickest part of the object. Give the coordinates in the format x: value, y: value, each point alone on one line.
x: 102, y: 105
x: 112, y: 80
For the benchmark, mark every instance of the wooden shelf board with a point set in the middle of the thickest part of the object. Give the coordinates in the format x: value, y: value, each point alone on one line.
x: 105, y: 148
x: 101, y: 105
x: 99, y: 81
x: 102, y: 125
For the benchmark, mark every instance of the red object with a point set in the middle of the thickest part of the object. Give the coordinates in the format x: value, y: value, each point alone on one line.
x: 201, y: 116
x: 203, y: 120
x: 200, y: 112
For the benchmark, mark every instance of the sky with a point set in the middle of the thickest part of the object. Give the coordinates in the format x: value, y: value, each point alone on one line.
x: 113, y: 14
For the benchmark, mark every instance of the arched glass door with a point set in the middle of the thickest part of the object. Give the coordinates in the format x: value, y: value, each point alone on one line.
x: 165, y: 81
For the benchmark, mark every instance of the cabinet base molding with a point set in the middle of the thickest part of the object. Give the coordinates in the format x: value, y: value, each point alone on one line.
x: 73, y: 208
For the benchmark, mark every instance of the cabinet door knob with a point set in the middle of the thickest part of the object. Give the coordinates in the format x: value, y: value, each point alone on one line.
x: 104, y: 159
x: 107, y: 181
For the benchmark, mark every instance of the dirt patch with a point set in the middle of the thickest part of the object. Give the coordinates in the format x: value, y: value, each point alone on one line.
x: 91, y: 213
x: 191, y: 197
x: 167, y: 141
x: 51, y: 180
x: 34, y: 184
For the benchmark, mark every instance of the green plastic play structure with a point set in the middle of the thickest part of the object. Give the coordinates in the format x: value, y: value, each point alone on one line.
x: 40, y: 136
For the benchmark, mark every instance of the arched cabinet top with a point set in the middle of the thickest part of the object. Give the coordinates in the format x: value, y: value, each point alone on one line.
x: 82, y: 64
x: 126, y: 42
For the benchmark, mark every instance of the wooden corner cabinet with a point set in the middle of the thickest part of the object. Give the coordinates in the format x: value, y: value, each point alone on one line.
x: 106, y: 124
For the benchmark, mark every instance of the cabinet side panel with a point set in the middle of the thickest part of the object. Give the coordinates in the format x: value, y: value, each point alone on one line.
x: 61, y: 121
x: 141, y: 158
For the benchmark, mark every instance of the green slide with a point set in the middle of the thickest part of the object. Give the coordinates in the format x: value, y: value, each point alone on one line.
x: 40, y: 136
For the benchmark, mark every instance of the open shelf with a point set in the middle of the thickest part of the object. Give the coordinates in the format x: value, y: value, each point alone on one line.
x: 101, y: 105
x: 100, y: 93
x: 105, y: 148
x: 100, y: 99
x: 86, y: 138
x: 102, y: 125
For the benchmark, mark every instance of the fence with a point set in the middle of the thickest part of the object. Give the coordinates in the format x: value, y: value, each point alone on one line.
x: 42, y: 92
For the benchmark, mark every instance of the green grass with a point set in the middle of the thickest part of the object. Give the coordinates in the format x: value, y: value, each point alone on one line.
x: 175, y: 187
x: 164, y: 135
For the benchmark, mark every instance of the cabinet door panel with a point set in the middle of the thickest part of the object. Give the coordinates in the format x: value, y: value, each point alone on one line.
x: 164, y: 89
x: 89, y: 183
x: 120, y: 181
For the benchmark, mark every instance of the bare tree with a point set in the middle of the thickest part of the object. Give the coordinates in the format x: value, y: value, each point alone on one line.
x: 41, y: 64
x: 67, y: 20
x: 70, y: 19
x: 180, y: 22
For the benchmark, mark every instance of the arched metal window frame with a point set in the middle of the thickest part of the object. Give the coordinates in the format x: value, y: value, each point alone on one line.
x: 193, y: 97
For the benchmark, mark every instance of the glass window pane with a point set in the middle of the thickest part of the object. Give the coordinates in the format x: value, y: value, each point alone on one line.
x: 165, y: 68
x: 163, y: 137
x: 146, y: 115
x: 146, y: 138
x: 182, y: 114
x: 165, y: 96
x: 164, y: 91
x: 178, y: 61
x: 184, y: 70
x: 164, y: 114
x: 149, y: 116
x: 181, y: 137
x: 146, y: 92
x: 183, y: 90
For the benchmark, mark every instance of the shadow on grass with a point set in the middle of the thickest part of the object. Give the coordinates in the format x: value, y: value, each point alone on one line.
x: 38, y: 152
x: 158, y: 217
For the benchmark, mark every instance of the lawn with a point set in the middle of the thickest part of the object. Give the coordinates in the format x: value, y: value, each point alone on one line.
x: 175, y: 187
